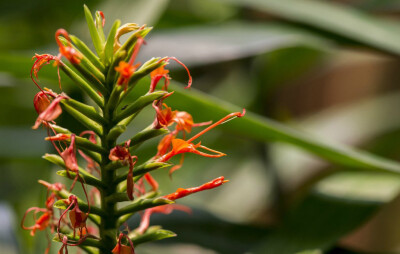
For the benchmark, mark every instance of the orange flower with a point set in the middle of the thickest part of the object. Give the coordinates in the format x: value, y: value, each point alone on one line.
x: 165, y: 209
x: 67, y: 51
x: 41, y: 101
x: 69, y: 156
x: 76, y: 216
x: 160, y: 73
x: 40, y: 61
x: 125, y: 70
x: 164, y: 116
x: 156, y: 76
x: 180, y: 193
x: 180, y: 146
x: 121, y: 153
x: 49, y: 112
x: 123, y: 249
x: 41, y: 223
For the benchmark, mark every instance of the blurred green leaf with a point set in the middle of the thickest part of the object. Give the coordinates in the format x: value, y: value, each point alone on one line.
x: 333, y: 18
x: 152, y: 234
x: 206, y: 107
x: 338, y: 205
x: 203, y: 228
x: 201, y: 45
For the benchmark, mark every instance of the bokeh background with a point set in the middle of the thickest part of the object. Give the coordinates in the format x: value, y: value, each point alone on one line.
x: 316, y: 77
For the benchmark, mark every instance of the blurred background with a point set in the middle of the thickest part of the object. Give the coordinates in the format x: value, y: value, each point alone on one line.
x: 316, y: 77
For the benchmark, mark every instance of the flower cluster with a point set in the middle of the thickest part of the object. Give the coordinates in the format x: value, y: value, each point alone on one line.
x: 113, y: 173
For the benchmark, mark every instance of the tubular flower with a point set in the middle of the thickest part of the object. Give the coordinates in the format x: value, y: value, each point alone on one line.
x: 67, y: 50
x: 123, y: 249
x: 164, y: 116
x: 69, y: 156
x: 51, y: 112
x: 121, y: 153
x: 41, y: 223
x: 161, y: 72
x: 46, y: 219
x: 180, y: 146
x: 40, y: 61
x: 41, y: 101
x: 156, y: 76
x: 91, y: 164
x: 125, y: 69
x: 180, y: 193
x: 165, y: 209
x: 76, y: 217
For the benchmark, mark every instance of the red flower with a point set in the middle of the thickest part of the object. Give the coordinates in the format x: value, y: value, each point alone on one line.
x: 164, y: 116
x: 125, y: 69
x: 123, y: 249
x: 76, y: 216
x: 41, y: 101
x: 41, y: 223
x: 69, y: 156
x: 91, y: 164
x: 40, y: 61
x: 67, y: 50
x: 160, y: 73
x: 180, y: 193
x: 165, y: 209
x: 121, y: 153
x: 50, y: 112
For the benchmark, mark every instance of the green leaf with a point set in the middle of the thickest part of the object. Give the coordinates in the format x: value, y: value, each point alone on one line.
x: 145, y: 135
x: 109, y: 48
x: 200, y: 226
x: 94, y: 33
x: 88, y: 241
x: 115, y: 132
x: 94, y: 210
x: 86, y: 179
x: 152, y: 234
x: 85, y: 109
x: 338, y: 205
x: 83, y: 85
x: 310, y: 252
x: 141, y: 204
x: 339, y: 20
x: 142, y: 169
x: 99, y: 27
x: 57, y: 160
x: 259, y: 128
x: 88, y: 123
x: 87, y: 52
x: 229, y: 41
x: 88, y: 69
x: 129, y: 45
